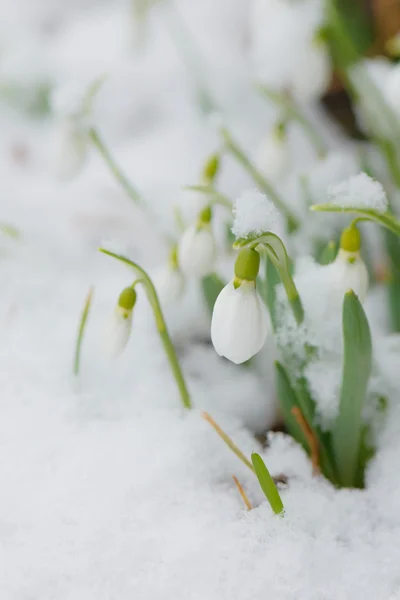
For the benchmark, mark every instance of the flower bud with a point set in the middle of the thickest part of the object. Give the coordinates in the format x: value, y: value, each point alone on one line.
x: 119, y: 328
x: 239, y: 323
x: 197, y: 249
x: 348, y: 271
x: 273, y: 153
x: 211, y: 168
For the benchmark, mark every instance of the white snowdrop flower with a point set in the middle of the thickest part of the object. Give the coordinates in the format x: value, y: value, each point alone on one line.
x: 348, y: 271
x: 169, y: 281
x: 239, y: 323
x: 391, y: 90
x: 119, y: 328
x: 70, y: 148
x: 273, y: 154
x: 312, y: 72
x: 197, y: 250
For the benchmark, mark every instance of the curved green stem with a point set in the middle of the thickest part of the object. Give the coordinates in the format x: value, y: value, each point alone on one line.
x: 81, y: 330
x: 277, y: 254
x: 145, y: 280
x: 265, y: 186
x: 215, y: 196
x: 114, y: 168
x: 292, y: 112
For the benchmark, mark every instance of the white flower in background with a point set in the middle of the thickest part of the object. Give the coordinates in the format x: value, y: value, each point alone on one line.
x: 169, y: 281
x: 71, y: 148
x: 239, y: 323
x: 312, y: 72
x: 391, y: 90
x: 273, y: 153
x: 289, y: 31
x: 119, y: 328
x: 197, y: 250
x: 348, y: 271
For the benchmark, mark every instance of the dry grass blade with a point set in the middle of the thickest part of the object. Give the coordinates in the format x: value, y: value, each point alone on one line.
x: 242, y: 493
x: 310, y: 437
x: 228, y: 441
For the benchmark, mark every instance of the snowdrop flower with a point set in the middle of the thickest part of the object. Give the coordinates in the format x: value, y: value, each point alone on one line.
x: 119, y: 328
x: 312, y: 72
x: 273, y: 153
x: 71, y: 148
x: 348, y: 271
x: 197, y: 249
x: 169, y: 281
x: 239, y: 323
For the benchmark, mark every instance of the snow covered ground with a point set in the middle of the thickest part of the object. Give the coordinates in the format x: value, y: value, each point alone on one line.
x: 109, y: 489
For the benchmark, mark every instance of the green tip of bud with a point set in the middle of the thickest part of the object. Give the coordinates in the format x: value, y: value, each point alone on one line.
x: 247, y: 264
x: 173, y: 259
x: 127, y: 298
x: 205, y: 216
x: 280, y: 130
x: 211, y: 168
x: 350, y: 240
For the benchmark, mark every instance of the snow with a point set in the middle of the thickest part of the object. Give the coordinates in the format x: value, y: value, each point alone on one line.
x: 254, y: 214
x: 109, y: 489
x: 359, y: 191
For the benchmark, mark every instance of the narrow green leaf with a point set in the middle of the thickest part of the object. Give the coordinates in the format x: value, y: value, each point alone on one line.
x: 328, y: 253
x: 272, y: 279
x: 81, y: 330
x: 357, y: 361
x: 211, y: 285
x: 267, y: 484
x: 288, y: 400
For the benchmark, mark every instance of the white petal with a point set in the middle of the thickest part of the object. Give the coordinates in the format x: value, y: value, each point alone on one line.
x: 197, y: 252
x: 239, y: 323
x: 348, y: 276
x: 273, y: 156
x: 117, y: 333
x: 169, y: 284
x: 312, y: 72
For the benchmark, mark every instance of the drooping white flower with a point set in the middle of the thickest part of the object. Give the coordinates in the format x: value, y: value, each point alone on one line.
x: 70, y: 148
x: 169, y: 283
x: 239, y: 323
x: 348, y: 272
x: 273, y: 154
x: 311, y: 73
x: 119, y: 327
x: 197, y: 250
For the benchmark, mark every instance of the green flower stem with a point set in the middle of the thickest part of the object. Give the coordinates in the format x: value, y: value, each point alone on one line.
x: 81, y: 331
x: 215, y: 196
x: 264, y: 185
x: 276, y: 251
x: 292, y: 112
x: 114, y: 168
x: 145, y: 280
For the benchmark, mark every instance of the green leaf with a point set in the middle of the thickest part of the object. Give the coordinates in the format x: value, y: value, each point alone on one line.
x: 385, y: 220
x: 211, y: 285
x: 357, y: 362
x: 287, y: 401
x: 267, y: 484
x: 328, y: 253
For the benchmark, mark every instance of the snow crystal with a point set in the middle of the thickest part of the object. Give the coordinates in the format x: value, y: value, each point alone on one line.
x: 254, y: 213
x: 359, y: 191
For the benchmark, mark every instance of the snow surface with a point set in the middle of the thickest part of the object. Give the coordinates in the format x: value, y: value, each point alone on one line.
x: 359, y: 191
x: 109, y: 489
